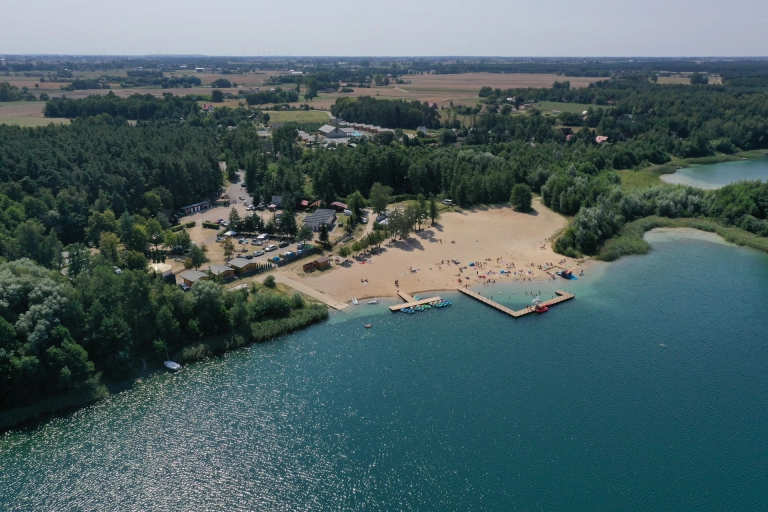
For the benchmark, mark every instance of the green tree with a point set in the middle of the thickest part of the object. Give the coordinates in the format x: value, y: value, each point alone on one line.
x: 288, y: 223
x: 28, y: 237
x: 217, y: 96
x: 324, y: 236
x: 183, y: 240
x: 434, y: 214
x: 152, y: 202
x: 138, y: 239
x: 170, y: 239
x: 269, y: 281
x: 422, y: 210
x: 380, y: 197
x: 356, y: 203
x: 108, y: 246
x: 154, y: 232
x: 134, y: 260
x: 79, y: 259
x: 167, y: 326
x: 235, y: 222
x: 99, y: 222
x: 304, y: 233
x: 344, y: 251
x: 197, y: 257
x: 521, y: 197
x: 239, y: 315
x: 229, y: 248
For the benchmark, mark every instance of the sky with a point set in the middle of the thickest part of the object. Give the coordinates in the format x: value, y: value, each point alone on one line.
x: 652, y: 28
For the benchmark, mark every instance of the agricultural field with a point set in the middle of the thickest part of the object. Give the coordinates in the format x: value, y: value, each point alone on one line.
x: 547, y: 107
x: 298, y: 116
x: 32, y: 121
x: 25, y: 113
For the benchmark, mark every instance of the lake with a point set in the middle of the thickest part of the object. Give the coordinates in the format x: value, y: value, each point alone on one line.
x: 649, y: 391
x: 718, y: 175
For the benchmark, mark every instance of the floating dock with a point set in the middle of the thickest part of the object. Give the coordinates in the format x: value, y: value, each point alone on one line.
x: 413, y: 304
x: 561, y: 297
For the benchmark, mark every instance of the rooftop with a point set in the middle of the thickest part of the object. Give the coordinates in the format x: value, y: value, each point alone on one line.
x: 219, y: 269
x: 239, y: 262
x: 193, y: 275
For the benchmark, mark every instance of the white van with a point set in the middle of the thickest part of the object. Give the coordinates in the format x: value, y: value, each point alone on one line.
x: 447, y: 202
x: 263, y: 237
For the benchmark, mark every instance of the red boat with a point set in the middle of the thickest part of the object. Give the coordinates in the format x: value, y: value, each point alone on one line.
x: 540, y: 309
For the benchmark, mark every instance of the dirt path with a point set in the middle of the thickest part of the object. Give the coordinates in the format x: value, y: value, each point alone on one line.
x: 307, y: 290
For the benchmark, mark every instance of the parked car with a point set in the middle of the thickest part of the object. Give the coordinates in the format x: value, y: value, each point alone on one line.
x: 270, y: 248
x: 258, y: 253
x: 282, y: 244
x: 117, y: 270
x: 241, y: 198
x: 219, y: 221
x: 241, y: 241
x: 225, y: 223
x: 257, y: 242
x: 184, y: 287
x: 248, y: 257
x: 447, y: 202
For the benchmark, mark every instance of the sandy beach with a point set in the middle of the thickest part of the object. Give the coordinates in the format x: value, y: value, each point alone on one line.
x: 494, y: 238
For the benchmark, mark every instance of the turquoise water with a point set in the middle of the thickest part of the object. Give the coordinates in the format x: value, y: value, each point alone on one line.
x: 647, y: 392
x: 718, y: 175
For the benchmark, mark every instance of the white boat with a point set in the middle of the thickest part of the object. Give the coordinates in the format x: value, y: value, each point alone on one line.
x: 373, y: 301
x: 172, y: 366
x: 355, y: 302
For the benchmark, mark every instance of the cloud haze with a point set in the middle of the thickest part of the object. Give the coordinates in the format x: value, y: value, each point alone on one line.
x: 394, y: 27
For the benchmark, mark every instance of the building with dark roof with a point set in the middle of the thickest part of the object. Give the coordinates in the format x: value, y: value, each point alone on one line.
x: 222, y: 271
x: 331, y: 132
x: 190, y: 277
x: 319, y: 217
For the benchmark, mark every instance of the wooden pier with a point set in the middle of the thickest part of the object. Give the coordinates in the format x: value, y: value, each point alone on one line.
x: 561, y: 297
x: 413, y: 304
x: 405, y: 296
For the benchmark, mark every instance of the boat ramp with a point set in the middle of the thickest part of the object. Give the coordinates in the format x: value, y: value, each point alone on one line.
x: 561, y: 297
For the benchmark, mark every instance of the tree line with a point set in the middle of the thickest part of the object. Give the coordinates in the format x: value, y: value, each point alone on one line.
x: 141, y: 107
x: 386, y: 113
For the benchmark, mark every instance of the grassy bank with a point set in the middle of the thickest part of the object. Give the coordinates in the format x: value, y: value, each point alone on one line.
x: 259, y: 331
x: 648, y: 177
x: 630, y: 239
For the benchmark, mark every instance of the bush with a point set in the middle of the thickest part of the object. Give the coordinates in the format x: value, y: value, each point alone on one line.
x: 190, y: 224
x: 269, y: 281
x: 211, y: 225
x: 297, y: 300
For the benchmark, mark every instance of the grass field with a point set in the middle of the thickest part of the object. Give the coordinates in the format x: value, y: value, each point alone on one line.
x: 298, y: 116
x: 577, y: 108
x: 32, y: 121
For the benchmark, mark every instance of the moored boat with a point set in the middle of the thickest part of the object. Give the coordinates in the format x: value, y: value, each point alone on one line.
x: 174, y: 367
